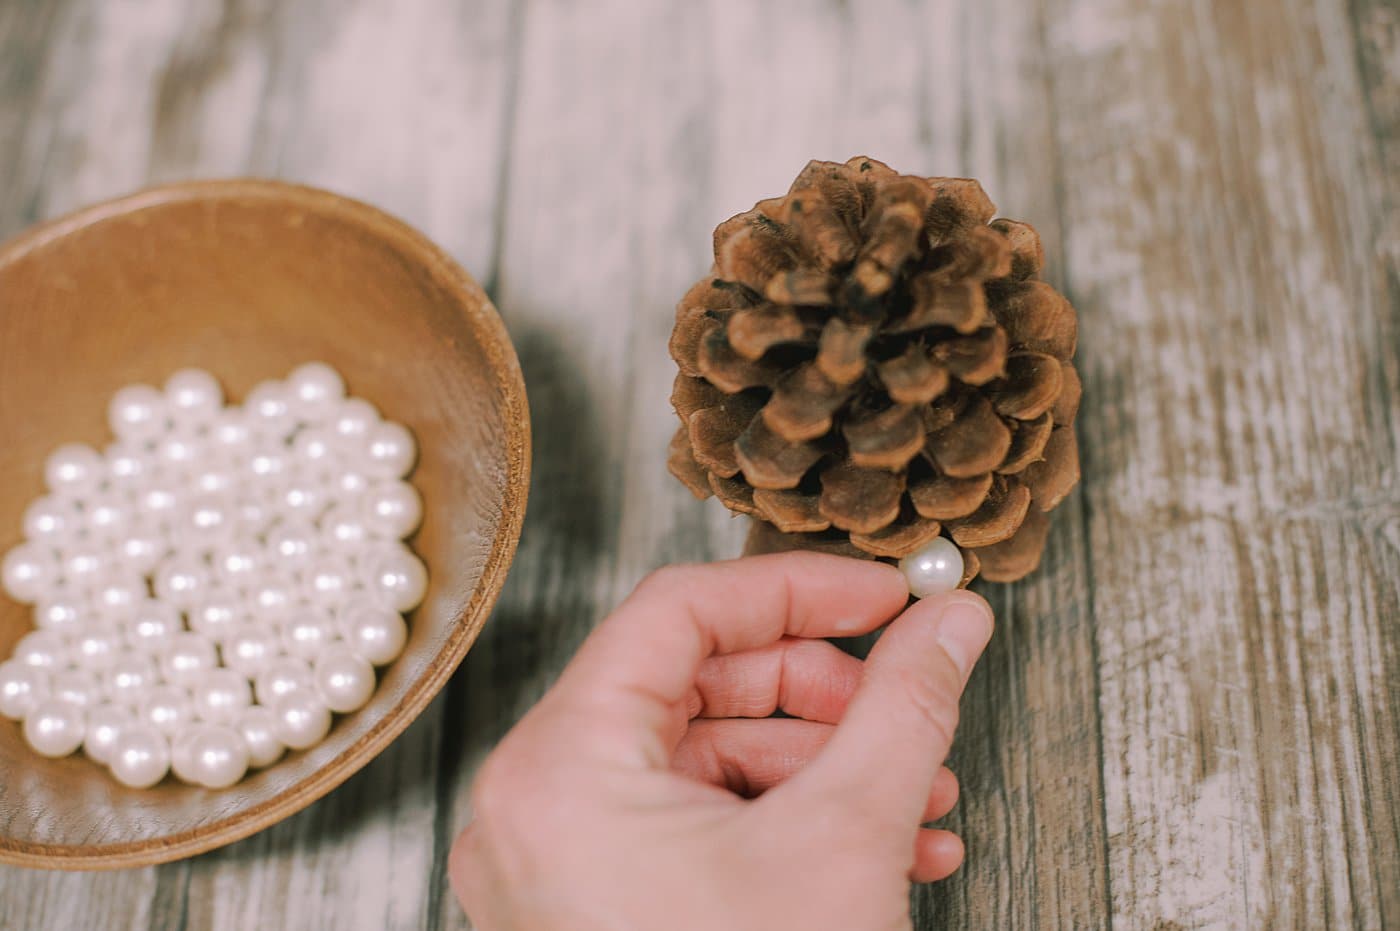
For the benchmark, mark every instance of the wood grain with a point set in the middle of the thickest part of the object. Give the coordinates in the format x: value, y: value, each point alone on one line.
x: 1189, y: 716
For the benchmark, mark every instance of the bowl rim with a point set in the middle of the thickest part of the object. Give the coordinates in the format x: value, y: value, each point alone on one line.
x: 505, y: 366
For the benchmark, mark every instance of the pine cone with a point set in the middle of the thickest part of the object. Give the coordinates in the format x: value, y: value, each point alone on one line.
x: 872, y: 362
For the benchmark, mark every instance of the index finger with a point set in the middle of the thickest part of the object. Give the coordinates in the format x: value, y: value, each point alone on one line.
x: 642, y: 660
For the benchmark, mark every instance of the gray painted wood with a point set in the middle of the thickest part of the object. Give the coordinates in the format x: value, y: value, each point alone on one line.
x: 1189, y: 716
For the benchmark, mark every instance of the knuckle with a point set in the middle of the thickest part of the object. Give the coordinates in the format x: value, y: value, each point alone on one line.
x: 665, y: 579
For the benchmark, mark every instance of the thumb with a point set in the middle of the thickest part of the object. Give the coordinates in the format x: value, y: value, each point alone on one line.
x: 896, y: 732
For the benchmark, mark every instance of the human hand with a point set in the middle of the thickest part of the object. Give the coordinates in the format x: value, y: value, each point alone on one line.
x: 622, y: 799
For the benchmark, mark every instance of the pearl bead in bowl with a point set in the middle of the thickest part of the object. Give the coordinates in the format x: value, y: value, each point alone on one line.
x: 396, y: 577
x: 250, y: 648
x: 104, y: 723
x: 151, y: 626
x: 187, y: 658
x: 21, y: 687
x: 212, y: 755
x: 74, y: 469
x: 194, y: 396
x: 392, y: 510
x: 54, y: 728
x: 315, y: 390
x: 96, y: 646
x: 129, y: 677
x: 281, y: 677
x: 269, y: 410
x: 51, y: 520
x: 344, y: 680
x: 375, y: 632
x: 221, y: 695
x: 29, y: 571
x: 43, y: 649
x: 138, y: 412
x: 343, y: 528
x: 129, y: 466
x: 77, y: 687
x: 118, y: 595
x: 352, y: 422
x: 63, y: 611
x: 329, y: 580
x: 302, y: 718
x: 181, y: 580
x: 140, y: 756
x: 258, y: 726
x: 167, y: 708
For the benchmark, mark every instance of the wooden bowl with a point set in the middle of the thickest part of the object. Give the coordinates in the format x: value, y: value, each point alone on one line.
x: 248, y: 279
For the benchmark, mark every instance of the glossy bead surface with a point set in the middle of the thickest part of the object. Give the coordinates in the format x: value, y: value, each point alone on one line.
x: 64, y: 612
x: 342, y: 528
x: 392, y: 510
x: 51, y: 520
x: 283, y: 676
x: 329, y: 580
x: 213, y: 755
x: 269, y: 410
x: 217, y: 615
x: 117, y: 596
x: 137, y: 412
x: 181, y: 580
x: 343, y: 680
x: 43, y: 649
x: 28, y: 571
x: 375, y: 632
x: 104, y: 723
x: 21, y: 687
x: 291, y: 545
x: 140, y: 551
x: 396, y: 577
x: 107, y: 515
x: 54, y: 728
x: 179, y: 453
x: 271, y: 601
x: 140, y: 756
x: 315, y: 448
x: 128, y: 465
x: 194, y: 396
x: 129, y: 677
x: 187, y: 658
x: 238, y: 562
x: 258, y: 726
x: 315, y: 390
x: 84, y: 562
x: 167, y: 708
x: 151, y: 626
x: 302, y: 718
x: 389, y: 450
x: 250, y: 648
x: 74, y: 469
x: 351, y: 423
x: 934, y: 570
x: 97, y: 646
x: 77, y: 687
x: 220, y: 695
x: 308, y: 632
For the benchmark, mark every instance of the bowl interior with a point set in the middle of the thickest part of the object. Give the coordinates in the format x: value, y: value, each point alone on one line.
x: 247, y: 280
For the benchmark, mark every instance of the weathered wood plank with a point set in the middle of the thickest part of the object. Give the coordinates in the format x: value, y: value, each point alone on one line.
x: 1219, y: 223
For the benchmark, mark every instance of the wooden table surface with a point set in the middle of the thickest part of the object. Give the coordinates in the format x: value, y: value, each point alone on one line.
x: 1189, y: 716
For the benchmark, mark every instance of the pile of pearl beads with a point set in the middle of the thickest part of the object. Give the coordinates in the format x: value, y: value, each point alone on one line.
x: 218, y: 582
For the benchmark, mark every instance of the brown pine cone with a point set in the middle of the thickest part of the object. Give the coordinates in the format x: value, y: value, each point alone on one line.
x: 872, y: 362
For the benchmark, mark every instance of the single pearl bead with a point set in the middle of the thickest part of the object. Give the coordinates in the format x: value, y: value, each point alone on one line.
x: 343, y: 528
x: 137, y: 412
x: 54, y: 728
x: 269, y: 463
x: 140, y: 756
x: 220, y: 695
x: 348, y: 486
x: 187, y: 658
x: 43, y: 649
x: 194, y: 396
x: 392, y: 510
x: 351, y: 423
x: 308, y: 632
x: 157, y: 504
x: 239, y: 562
x: 269, y: 410
x: 316, y: 390
x: 390, y: 450
x: 210, y: 522
x: 64, y: 612
x: 291, y: 545
x: 212, y: 755
x: 345, y: 681
x: 181, y: 580
x: 167, y: 708
x: 118, y: 596
x: 76, y: 687
x: 302, y: 496
x: 255, y: 514
x: 107, y: 515
x: 29, y: 571
x: 231, y: 433
x: 258, y: 725
x: 96, y: 647
x: 315, y: 447
x: 83, y: 563
x: 51, y: 520
x: 250, y: 648
x: 396, y: 577
x: 128, y: 465
x: 303, y: 720
x: 933, y: 570
x: 282, y: 677
x: 217, y: 614
x: 129, y: 677
x: 272, y: 600
x: 179, y: 454
x: 213, y: 478
x: 104, y: 724
x: 74, y: 469
x: 151, y: 626
x: 21, y: 687
x: 328, y: 580
x: 140, y: 551
x: 374, y: 632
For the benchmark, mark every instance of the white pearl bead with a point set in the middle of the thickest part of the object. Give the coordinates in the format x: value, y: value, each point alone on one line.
x: 29, y: 571
x: 181, y: 580
x: 347, y: 486
x: 308, y: 632
x: 291, y: 545
x: 344, y: 680
x: 210, y: 522
x: 96, y: 647
x: 390, y: 450
x: 213, y: 478
x: 128, y: 465
x: 64, y: 612
x: 151, y: 626
x: 84, y: 562
x: 315, y: 447
x: 258, y: 725
x: 328, y: 580
x: 187, y: 658
x: 250, y: 648
x: 935, y: 569
x: 181, y: 756
x: 129, y: 677
x: 157, y: 504
x: 43, y: 649
x: 107, y: 515
x: 194, y: 396
x: 21, y: 687
x: 351, y: 423
x: 51, y: 520
x: 343, y: 528
x: 303, y: 720
x: 104, y: 724
x: 214, y: 755
x: 272, y: 601
x: 220, y: 695
x: 374, y: 632
x: 76, y: 687
x: 255, y: 514
x: 140, y: 756
x: 302, y: 496
x: 396, y: 577
x: 140, y: 551
x: 231, y: 433
x: 217, y: 614
x: 392, y: 510
x: 316, y: 390
x: 137, y: 412
x: 74, y: 469
x: 167, y: 708
x: 269, y: 409
x: 179, y: 454
x: 268, y: 463
x: 54, y: 728
x: 282, y: 677
x: 118, y: 596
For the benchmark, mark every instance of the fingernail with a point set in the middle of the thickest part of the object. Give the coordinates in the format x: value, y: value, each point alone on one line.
x: 963, y: 631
